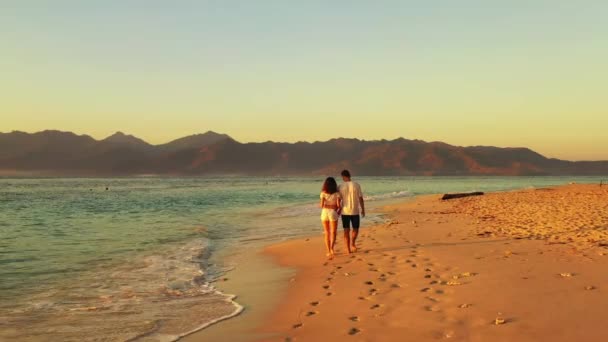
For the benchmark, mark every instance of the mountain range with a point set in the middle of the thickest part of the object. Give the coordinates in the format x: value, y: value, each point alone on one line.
x: 56, y: 153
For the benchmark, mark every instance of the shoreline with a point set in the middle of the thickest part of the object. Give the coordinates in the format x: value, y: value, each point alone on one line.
x: 399, y: 282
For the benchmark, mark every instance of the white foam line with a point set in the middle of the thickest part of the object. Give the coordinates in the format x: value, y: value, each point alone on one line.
x: 230, y: 298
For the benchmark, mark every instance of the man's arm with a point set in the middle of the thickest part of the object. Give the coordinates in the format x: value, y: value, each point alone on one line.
x: 361, y: 202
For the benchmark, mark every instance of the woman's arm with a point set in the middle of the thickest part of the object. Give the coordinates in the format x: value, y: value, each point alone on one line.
x: 322, y: 202
x: 339, y: 210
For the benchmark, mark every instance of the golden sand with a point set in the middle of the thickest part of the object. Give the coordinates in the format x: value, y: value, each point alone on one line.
x: 428, y: 275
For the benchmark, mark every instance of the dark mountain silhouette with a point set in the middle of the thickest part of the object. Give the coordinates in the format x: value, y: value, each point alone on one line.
x: 194, y: 141
x: 119, y: 138
x: 65, y: 153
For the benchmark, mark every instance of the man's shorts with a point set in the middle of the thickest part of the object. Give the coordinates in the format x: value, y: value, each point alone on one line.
x: 348, y: 219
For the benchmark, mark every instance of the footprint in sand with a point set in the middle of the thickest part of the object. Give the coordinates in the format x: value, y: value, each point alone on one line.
x: 325, y: 287
x: 426, y: 289
x: 369, y: 283
x: 465, y: 306
x: 297, y: 326
x: 354, y: 318
x: 311, y: 313
x: 354, y: 331
x: 395, y: 286
x: 590, y: 288
x: 432, y: 308
x: 328, y: 294
x: 373, y: 292
x: 315, y: 303
x: 376, y: 306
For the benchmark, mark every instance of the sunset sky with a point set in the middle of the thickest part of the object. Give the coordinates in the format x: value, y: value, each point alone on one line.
x: 528, y: 73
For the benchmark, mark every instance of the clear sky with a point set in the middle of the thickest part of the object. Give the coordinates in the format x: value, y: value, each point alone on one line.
x: 528, y: 73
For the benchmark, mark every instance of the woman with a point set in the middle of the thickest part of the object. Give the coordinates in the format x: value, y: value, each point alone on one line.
x: 331, y: 203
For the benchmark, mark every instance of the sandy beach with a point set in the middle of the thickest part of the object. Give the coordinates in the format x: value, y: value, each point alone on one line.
x: 526, y: 265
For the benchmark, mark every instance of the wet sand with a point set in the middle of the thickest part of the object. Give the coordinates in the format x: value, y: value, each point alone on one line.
x: 525, y: 265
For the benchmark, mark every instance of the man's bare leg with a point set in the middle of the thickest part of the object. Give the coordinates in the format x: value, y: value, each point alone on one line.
x: 347, y: 239
x: 353, y: 240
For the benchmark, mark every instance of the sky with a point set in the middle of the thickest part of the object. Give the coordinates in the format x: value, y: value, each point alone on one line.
x: 513, y: 73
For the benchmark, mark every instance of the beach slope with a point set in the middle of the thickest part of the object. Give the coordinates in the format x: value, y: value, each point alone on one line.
x: 527, y: 265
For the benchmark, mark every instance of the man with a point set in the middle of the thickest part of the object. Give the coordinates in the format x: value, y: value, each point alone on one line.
x: 353, y: 208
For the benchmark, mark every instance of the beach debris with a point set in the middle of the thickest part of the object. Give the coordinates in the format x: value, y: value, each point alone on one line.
x: 465, y: 306
x: 566, y: 275
x: 499, y: 321
x: 463, y: 275
x: 461, y: 195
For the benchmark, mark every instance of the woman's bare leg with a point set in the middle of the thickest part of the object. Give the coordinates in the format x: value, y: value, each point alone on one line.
x: 334, y: 230
x: 327, y: 237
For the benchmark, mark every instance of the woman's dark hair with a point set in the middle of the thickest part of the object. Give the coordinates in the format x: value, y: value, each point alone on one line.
x: 330, y: 186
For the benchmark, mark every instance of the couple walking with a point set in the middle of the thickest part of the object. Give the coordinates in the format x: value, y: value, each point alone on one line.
x: 346, y: 201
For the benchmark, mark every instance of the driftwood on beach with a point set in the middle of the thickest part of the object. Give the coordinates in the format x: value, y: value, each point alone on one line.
x: 468, y: 194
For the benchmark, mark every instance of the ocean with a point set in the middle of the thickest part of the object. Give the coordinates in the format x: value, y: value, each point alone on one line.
x: 126, y: 259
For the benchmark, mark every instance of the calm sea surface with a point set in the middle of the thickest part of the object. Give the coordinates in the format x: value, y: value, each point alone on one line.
x: 79, y: 262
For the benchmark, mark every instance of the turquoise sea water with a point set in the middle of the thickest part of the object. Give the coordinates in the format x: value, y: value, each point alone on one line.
x: 79, y: 262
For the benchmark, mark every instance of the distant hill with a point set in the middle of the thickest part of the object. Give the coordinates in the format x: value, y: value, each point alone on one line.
x: 65, y: 153
x: 194, y: 141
